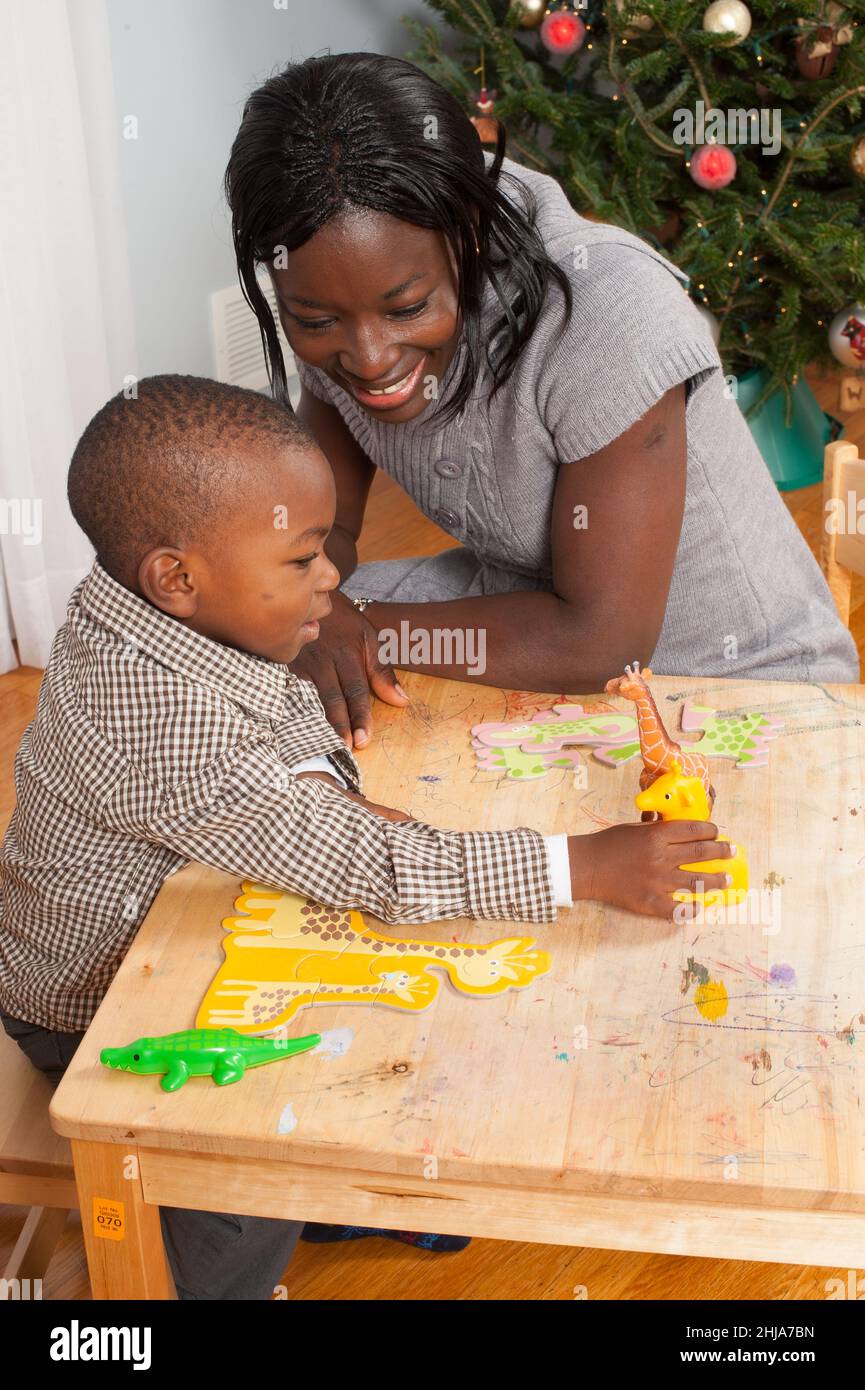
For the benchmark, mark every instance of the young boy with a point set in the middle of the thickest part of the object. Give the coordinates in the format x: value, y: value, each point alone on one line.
x: 169, y: 728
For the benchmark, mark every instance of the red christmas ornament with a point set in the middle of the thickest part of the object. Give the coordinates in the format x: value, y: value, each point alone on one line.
x: 713, y: 166
x: 563, y: 31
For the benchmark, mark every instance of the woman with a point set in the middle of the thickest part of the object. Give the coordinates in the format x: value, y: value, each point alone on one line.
x: 540, y: 384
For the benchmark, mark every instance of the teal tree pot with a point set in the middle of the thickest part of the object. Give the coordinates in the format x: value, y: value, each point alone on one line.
x: 794, y: 452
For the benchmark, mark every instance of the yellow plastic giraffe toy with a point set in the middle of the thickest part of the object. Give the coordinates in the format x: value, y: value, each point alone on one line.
x: 659, y: 751
x: 287, y: 953
x: 676, y: 796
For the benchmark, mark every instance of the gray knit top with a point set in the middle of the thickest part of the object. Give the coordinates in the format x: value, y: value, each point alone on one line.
x: 742, y: 570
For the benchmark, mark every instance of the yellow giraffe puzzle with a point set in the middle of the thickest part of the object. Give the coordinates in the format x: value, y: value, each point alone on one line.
x: 286, y: 953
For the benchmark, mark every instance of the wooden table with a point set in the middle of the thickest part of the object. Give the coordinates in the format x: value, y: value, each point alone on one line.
x: 597, y: 1107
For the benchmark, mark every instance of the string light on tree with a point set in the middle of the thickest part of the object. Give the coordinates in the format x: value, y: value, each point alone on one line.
x: 563, y: 31
x: 729, y: 18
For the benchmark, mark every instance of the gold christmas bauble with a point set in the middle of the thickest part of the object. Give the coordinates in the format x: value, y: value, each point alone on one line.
x: 857, y: 157
x: 530, y: 12
x: 728, y: 17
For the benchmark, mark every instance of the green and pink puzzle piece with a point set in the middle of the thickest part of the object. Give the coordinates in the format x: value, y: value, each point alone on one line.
x: 533, y: 747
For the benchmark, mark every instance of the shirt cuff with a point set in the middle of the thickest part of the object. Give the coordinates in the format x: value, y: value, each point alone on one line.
x: 508, y: 875
x: 560, y: 869
x: 319, y: 763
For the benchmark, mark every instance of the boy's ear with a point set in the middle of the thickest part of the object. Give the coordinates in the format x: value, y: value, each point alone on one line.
x: 166, y: 581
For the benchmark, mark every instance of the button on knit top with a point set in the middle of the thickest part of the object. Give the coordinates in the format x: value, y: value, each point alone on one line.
x: 746, y: 597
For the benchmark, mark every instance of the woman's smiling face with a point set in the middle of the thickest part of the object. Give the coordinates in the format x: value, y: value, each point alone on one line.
x: 372, y: 301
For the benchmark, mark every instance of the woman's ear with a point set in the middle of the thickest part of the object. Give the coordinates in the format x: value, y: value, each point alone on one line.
x: 166, y: 580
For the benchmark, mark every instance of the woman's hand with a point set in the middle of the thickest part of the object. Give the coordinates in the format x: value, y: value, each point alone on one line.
x: 343, y: 664
x: 636, y: 866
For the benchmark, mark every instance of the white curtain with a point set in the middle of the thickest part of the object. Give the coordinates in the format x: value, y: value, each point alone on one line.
x: 66, y: 337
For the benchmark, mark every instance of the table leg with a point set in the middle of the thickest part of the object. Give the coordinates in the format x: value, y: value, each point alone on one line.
x: 122, y: 1233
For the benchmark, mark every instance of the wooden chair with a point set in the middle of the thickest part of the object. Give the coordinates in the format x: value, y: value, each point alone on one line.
x: 842, y: 550
x: 35, y: 1163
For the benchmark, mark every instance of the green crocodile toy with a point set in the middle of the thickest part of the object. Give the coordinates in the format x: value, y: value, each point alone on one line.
x: 222, y: 1053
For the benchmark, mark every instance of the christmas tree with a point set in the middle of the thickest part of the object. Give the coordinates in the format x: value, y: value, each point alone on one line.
x: 730, y: 137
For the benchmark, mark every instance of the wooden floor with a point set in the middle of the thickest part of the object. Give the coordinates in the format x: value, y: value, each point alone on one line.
x: 488, y: 1269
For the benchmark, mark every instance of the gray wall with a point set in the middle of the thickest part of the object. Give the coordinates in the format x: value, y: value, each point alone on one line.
x: 183, y: 68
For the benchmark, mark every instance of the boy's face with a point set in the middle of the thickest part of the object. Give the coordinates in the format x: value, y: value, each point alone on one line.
x: 260, y: 581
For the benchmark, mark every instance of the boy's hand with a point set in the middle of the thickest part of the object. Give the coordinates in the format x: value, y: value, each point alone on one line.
x: 386, y: 811
x: 636, y: 866
x: 343, y: 664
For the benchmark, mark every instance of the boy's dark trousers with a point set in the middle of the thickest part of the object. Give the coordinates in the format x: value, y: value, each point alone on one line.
x: 213, y: 1255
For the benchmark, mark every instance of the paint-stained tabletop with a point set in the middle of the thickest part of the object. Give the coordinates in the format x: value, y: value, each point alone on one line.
x: 719, y: 1063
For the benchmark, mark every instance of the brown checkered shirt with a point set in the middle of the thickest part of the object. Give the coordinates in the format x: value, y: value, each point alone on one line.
x: 153, y: 746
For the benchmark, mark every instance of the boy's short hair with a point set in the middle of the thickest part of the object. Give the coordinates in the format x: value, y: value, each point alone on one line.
x: 159, y: 467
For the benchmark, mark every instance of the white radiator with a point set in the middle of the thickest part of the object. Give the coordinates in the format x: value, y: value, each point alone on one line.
x: 237, y: 352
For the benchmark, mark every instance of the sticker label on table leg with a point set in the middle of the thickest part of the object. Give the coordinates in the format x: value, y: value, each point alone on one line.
x: 109, y: 1219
